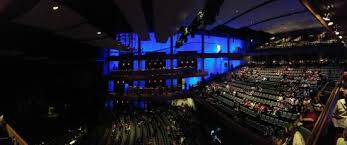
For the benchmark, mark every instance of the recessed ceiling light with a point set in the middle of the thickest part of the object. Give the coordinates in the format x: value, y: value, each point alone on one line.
x: 55, y: 8
x: 343, y: 41
x: 337, y: 32
x: 326, y: 18
x: 98, y: 33
x: 340, y: 37
x: 330, y: 23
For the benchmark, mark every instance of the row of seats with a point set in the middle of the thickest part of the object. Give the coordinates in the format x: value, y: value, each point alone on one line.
x: 284, y: 114
x: 149, y: 132
x: 259, y: 126
x: 256, y: 99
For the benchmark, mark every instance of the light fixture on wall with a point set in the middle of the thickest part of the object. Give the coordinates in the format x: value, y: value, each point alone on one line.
x: 326, y: 18
x: 55, y: 8
x: 330, y: 23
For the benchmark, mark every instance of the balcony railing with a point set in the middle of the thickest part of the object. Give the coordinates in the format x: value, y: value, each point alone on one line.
x: 156, y: 74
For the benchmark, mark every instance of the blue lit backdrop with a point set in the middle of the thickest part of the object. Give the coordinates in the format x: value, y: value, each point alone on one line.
x: 213, y: 44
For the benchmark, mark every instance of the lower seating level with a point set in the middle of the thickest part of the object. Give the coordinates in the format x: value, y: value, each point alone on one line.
x: 273, y: 99
x: 160, y: 126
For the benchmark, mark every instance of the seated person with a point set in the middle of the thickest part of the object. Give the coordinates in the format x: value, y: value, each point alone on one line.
x: 340, y: 115
x: 309, y: 117
x: 343, y: 139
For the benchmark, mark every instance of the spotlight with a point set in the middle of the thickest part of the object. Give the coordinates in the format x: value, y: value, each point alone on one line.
x: 337, y: 32
x: 98, y: 33
x: 330, y: 23
x: 340, y: 37
x: 55, y: 8
x: 272, y: 38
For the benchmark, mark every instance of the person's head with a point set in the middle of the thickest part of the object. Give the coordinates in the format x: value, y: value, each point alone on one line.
x: 345, y: 134
x: 308, y: 108
x: 344, y: 94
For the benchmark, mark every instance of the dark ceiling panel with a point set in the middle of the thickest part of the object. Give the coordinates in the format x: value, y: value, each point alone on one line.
x: 43, y: 16
x: 291, y: 23
x: 274, y: 9
x: 170, y: 15
x: 132, y: 10
x: 83, y: 31
x: 232, y: 8
x: 102, y: 43
x: 103, y: 14
x: 38, y: 42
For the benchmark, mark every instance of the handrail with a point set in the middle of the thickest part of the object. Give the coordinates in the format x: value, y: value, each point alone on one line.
x: 13, y: 134
x: 328, y: 108
x: 320, y: 92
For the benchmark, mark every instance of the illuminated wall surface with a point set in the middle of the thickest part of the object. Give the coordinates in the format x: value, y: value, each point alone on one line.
x: 213, y: 44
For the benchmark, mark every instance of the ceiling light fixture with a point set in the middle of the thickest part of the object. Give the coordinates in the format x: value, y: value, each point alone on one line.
x: 55, y: 8
x: 98, y: 33
x: 340, y: 37
x: 330, y: 23
x: 337, y: 32
x: 326, y: 18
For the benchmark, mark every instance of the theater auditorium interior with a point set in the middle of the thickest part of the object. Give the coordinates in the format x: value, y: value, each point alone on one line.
x: 173, y: 72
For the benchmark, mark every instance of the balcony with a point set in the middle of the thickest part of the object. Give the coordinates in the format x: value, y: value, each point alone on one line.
x: 159, y: 93
x: 156, y: 74
x: 234, y: 56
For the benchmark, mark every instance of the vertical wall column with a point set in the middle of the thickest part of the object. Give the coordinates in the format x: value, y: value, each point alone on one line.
x: 203, y: 53
x: 228, y: 47
x: 138, y: 61
x: 171, y: 57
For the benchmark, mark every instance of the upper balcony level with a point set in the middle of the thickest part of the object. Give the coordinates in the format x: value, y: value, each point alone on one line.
x: 234, y: 56
x: 129, y: 75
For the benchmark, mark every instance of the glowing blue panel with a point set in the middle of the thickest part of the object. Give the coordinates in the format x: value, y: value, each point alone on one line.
x: 110, y: 86
x: 126, y: 87
x: 105, y: 68
x: 114, y: 52
x: 192, y: 44
x: 175, y: 63
x: 136, y: 65
x: 113, y: 65
x: 142, y: 84
x: 199, y: 64
x: 142, y: 65
x: 192, y: 81
x: 141, y: 105
x: 152, y: 45
x: 128, y: 39
x: 236, y: 45
x: 174, y: 82
x: 168, y: 83
x: 216, y: 65
x: 214, y: 44
x: 235, y: 63
x: 109, y: 104
x: 135, y: 83
x: 167, y: 64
